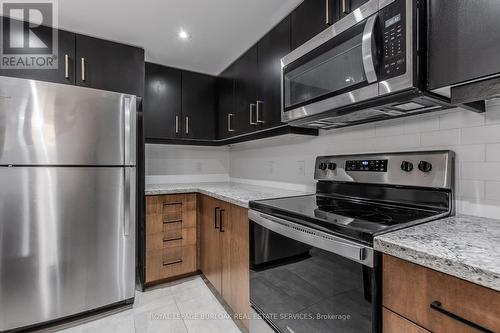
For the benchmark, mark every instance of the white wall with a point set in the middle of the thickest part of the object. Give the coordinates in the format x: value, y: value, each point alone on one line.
x: 474, y: 137
x: 184, y: 164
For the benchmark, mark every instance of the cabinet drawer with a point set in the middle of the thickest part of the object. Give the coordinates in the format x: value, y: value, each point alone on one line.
x: 393, y: 323
x: 410, y: 289
x: 165, y: 263
x: 159, y: 241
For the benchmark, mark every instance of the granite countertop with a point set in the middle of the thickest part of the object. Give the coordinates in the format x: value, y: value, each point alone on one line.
x: 466, y: 247
x: 235, y: 193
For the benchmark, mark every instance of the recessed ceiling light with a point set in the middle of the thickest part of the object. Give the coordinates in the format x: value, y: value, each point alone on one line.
x: 183, y: 34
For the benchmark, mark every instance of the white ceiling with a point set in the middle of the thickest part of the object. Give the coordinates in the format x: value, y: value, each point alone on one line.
x: 220, y: 30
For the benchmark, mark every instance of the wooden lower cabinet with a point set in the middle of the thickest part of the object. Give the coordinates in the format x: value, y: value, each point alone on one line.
x: 224, y: 252
x: 410, y: 289
x: 171, y: 236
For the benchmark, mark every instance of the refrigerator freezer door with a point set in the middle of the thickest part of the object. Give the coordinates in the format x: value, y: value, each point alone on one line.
x: 64, y: 245
x: 44, y: 123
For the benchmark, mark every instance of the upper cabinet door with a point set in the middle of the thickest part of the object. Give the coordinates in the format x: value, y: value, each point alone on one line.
x: 198, y: 106
x: 245, y: 92
x: 110, y: 66
x: 274, y: 46
x: 310, y: 18
x: 65, y: 71
x: 225, y: 103
x: 162, y: 102
x: 464, y: 41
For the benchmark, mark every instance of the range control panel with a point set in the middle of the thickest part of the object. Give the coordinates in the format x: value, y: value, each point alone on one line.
x: 422, y: 169
x: 393, y: 21
x: 366, y: 165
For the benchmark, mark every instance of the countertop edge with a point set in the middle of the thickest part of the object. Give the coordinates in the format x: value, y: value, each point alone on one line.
x: 457, y: 269
x: 233, y: 201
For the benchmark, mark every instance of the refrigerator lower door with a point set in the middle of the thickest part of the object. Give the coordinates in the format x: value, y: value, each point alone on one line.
x: 66, y: 244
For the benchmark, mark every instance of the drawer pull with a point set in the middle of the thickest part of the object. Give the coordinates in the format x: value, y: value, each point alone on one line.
x: 171, y: 221
x: 172, y: 262
x: 171, y: 239
x: 215, y: 217
x: 437, y: 306
x: 221, y: 223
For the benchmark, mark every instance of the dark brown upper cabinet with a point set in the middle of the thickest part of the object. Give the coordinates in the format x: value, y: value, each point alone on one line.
x: 179, y: 105
x: 198, y: 106
x: 106, y: 65
x: 162, y: 102
x: 89, y: 62
x: 271, y: 48
x: 225, y: 103
x: 311, y: 17
x: 65, y: 71
x: 346, y: 7
x: 245, y: 92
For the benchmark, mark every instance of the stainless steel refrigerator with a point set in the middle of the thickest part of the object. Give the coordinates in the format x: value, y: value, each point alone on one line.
x: 67, y: 200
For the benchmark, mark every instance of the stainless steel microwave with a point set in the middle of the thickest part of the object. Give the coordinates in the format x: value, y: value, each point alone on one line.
x: 368, y: 66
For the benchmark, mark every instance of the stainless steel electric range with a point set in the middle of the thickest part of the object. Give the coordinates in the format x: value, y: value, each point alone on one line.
x: 312, y: 263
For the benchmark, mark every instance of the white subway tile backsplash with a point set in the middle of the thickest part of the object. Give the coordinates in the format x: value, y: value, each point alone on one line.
x: 441, y: 138
x: 493, y: 191
x: 471, y: 189
x: 290, y: 159
x: 391, y: 143
x: 488, y: 171
x: 481, y: 134
x: 493, y: 152
x: 458, y: 118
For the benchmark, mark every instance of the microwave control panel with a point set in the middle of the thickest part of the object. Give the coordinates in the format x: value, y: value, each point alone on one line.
x: 393, y: 22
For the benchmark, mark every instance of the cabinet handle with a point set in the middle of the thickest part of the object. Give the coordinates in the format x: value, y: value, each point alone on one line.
x: 172, y: 262
x: 259, y: 111
x: 187, y: 125
x: 229, y: 121
x: 328, y: 16
x: 83, y: 69
x: 345, y: 7
x: 215, y: 217
x: 251, y: 115
x: 221, y: 224
x: 176, y: 124
x: 66, y: 66
x: 437, y: 306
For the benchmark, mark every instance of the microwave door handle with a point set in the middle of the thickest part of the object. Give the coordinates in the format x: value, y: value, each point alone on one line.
x: 367, y: 49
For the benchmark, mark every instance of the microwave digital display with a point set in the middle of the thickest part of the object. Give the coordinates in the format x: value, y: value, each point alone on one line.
x: 393, y: 20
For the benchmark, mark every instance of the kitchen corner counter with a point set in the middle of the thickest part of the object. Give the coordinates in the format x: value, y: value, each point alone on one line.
x: 463, y: 246
x: 236, y: 193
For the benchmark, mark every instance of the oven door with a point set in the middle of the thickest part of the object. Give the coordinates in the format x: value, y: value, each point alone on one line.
x: 336, y: 68
x: 333, y: 287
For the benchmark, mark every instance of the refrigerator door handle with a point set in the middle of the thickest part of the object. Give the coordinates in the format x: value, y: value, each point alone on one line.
x: 129, y: 198
x: 130, y: 129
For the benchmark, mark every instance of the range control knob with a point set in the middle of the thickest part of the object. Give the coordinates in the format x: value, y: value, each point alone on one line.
x: 332, y: 166
x: 424, y: 166
x: 406, y: 166
x: 323, y: 166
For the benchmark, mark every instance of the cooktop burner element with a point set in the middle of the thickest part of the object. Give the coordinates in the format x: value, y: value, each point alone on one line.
x: 359, y: 199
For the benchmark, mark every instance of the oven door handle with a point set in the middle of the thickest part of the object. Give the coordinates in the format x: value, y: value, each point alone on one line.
x: 367, y: 49
x: 328, y: 242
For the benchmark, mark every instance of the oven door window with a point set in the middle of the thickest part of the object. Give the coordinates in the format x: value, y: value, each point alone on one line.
x: 315, y: 291
x: 334, y: 68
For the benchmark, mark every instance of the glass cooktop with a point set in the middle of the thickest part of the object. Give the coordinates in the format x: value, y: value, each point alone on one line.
x: 359, y: 219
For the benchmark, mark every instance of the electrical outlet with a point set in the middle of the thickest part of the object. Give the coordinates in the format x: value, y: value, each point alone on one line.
x: 301, y: 168
x: 198, y: 166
